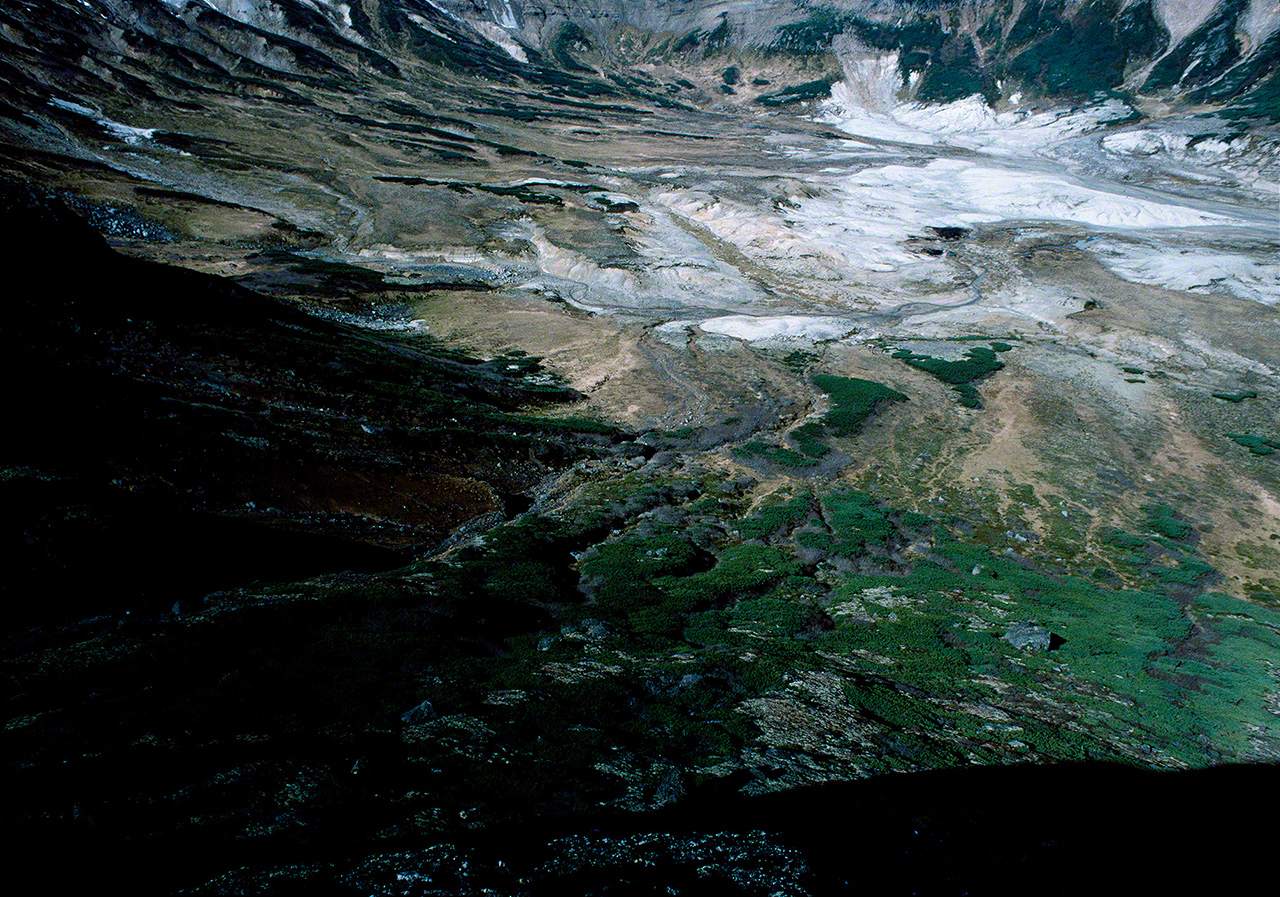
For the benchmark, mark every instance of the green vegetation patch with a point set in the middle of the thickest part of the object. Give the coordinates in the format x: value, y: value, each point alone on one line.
x: 812, y: 35
x: 1188, y: 572
x: 856, y: 520
x: 741, y: 571
x: 943, y: 55
x: 1085, y: 52
x: 1235, y: 397
x: 800, y: 361
x: 978, y: 362
x: 1200, y: 56
x: 1222, y: 605
x: 808, y: 438
x: 946, y: 621
x: 777, y: 454
x: 571, y: 39
x: 853, y: 401
x: 799, y: 93
x: 967, y: 396
x: 776, y: 513
x: 1258, y: 445
x: 1164, y: 520
x: 620, y: 576
x: 1118, y: 538
x: 882, y: 702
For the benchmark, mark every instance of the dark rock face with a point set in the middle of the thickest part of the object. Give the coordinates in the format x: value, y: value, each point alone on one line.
x: 178, y: 428
x: 192, y: 451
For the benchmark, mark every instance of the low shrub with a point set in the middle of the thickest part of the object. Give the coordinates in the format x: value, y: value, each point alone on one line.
x: 777, y: 454
x: 1163, y: 520
x: 1255, y: 444
x: 808, y: 438
x: 853, y: 401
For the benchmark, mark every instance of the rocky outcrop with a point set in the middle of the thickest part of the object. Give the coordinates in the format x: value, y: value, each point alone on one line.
x: 1029, y: 637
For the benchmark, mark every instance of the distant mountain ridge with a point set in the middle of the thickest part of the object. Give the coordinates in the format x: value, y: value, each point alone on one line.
x: 1207, y: 52
x: 1210, y: 54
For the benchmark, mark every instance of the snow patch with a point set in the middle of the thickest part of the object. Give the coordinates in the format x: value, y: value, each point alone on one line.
x: 953, y: 191
x: 505, y: 15
x: 495, y: 32
x: 128, y: 133
x: 763, y: 236
x: 671, y: 269
x: 1144, y: 142
x: 1254, y: 276
x: 869, y: 102
x: 422, y: 23
x: 1260, y: 20
x: 495, y: 35
x: 270, y: 17
x: 394, y: 325
x: 968, y: 122
x: 779, y: 327
x: 1182, y: 17
x: 74, y: 107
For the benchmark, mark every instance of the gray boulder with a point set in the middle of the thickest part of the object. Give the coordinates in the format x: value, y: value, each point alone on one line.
x: 418, y: 715
x: 1029, y: 637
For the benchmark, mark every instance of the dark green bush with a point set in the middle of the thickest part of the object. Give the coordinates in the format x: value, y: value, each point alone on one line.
x: 1255, y: 444
x: 856, y: 520
x: 1235, y: 397
x: 773, y: 514
x: 808, y: 438
x: 1163, y: 519
x: 1118, y: 538
x: 979, y: 362
x: 853, y: 401
x: 777, y: 454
